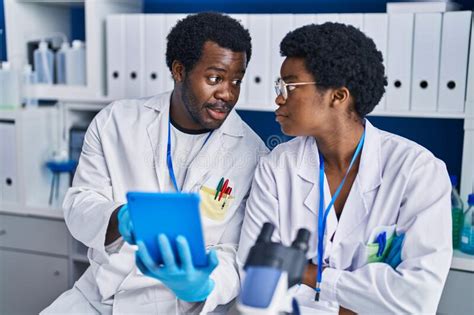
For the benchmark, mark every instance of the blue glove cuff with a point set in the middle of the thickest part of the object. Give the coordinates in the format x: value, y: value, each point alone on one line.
x: 196, y: 294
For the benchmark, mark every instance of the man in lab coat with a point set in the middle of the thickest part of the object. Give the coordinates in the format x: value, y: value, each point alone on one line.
x: 126, y: 149
x: 357, y: 189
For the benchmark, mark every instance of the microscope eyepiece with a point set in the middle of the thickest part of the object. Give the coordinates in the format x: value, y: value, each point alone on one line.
x: 301, y: 240
x: 266, y: 233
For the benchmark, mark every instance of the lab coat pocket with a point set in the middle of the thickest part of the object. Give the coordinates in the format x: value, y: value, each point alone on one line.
x: 212, y: 207
x: 380, y: 242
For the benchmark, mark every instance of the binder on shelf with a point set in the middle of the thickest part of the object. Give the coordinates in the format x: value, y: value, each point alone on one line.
x: 375, y: 26
x: 156, y: 70
x: 453, y: 61
x: 399, y: 61
x: 354, y: 19
x: 8, y: 166
x: 300, y: 20
x: 282, y: 24
x: 425, y: 73
x: 134, y: 55
x: 258, y: 70
x: 115, y: 43
x: 242, y: 19
x: 322, y: 18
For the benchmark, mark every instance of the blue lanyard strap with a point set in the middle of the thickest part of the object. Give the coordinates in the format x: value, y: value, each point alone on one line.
x: 322, y: 216
x: 169, y: 158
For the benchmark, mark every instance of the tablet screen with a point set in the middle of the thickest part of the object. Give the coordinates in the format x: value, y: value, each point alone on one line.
x: 172, y: 214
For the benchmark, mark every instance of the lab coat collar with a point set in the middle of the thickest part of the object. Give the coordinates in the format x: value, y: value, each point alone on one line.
x: 368, y: 177
x: 370, y: 173
x: 200, y: 168
x: 232, y: 125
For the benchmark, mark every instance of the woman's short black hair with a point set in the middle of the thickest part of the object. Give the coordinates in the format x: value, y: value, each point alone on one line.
x: 339, y: 55
x: 187, y: 37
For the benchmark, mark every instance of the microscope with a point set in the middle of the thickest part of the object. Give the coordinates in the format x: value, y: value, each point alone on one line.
x: 272, y: 274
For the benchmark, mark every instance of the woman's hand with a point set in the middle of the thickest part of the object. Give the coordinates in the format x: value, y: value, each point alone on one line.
x: 309, y: 276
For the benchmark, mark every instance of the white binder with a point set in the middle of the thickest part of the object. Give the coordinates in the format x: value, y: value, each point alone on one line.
x: 375, y: 26
x: 134, y: 55
x: 327, y: 17
x: 258, y: 71
x: 281, y: 25
x: 115, y: 41
x: 156, y: 71
x: 242, y: 19
x: 425, y: 74
x: 400, y: 43
x: 300, y: 20
x: 453, y: 61
x: 171, y: 20
x: 8, y: 165
x: 354, y: 19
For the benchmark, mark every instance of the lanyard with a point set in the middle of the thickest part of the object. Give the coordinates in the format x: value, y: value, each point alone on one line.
x: 322, y: 216
x: 169, y: 159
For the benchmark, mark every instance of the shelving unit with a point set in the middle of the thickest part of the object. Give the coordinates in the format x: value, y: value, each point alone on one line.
x: 48, y: 17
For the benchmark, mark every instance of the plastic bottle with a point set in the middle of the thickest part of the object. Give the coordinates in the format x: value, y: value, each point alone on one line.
x: 467, y: 234
x: 10, y: 87
x: 60, y: 62
x: 43, y: 62
x: 76, y: 64
x: 28, y: 79
x: 456, y: 212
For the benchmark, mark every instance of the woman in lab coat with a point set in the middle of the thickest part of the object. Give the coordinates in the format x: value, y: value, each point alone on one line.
x: 384, y: 185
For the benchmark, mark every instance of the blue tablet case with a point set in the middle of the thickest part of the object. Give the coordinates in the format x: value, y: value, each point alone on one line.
x: 171, y: 214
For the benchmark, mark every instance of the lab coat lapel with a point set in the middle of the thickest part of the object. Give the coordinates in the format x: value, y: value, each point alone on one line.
x: 368, y: 179
x: 308, y: 171
x: 157, y: 131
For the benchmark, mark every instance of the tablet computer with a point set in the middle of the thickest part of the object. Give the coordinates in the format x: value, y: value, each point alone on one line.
x: 171, y: 214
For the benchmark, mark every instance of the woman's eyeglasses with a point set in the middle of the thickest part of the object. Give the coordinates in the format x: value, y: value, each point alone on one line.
x: 282, y: 88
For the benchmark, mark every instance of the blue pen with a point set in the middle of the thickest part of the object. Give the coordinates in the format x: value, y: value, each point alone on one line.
x: 382, y: 241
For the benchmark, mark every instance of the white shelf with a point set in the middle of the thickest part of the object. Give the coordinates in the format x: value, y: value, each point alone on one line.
x: 65, y: 93
x: 408, y: 114
x: 18, y: 209
x: 462, y: 261
x: 80, y: 258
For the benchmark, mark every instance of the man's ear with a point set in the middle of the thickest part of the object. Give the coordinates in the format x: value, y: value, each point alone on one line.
x: 178, y: 71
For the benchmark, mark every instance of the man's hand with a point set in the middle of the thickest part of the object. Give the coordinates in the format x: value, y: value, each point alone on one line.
x: 112, y: 229
x: 189, y: 283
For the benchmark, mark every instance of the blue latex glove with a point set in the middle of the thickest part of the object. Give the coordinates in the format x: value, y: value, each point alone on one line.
x: 394, y: 257
x: 125, y: 225
x: 190, y: 284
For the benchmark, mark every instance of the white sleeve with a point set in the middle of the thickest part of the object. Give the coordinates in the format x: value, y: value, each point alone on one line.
x: 262, y: 207
x: 225, y: 276
x: 415, y: 286
x: 88, y: 204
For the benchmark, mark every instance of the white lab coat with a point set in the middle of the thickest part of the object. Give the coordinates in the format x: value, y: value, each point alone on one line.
x: 398, y: 182
x: 125, y: 149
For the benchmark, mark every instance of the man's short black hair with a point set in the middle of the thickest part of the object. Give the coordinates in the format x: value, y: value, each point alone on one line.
x: 188, y: 36
x: 339, y: 55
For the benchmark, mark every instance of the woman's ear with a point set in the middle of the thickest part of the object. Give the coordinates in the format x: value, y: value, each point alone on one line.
x: 177, y: 71
x: 341, y: 96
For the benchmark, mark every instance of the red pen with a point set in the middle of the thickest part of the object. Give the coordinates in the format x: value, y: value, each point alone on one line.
x: 224, y: 187
x: 228, y: 191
